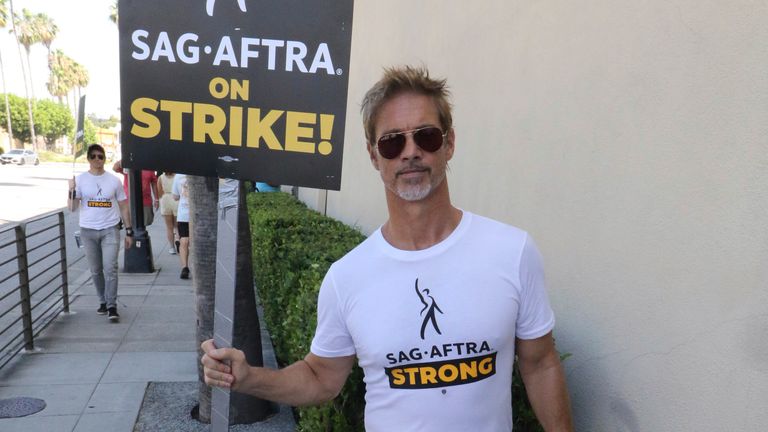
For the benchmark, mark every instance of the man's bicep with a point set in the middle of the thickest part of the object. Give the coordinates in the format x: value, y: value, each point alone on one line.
x: 331, y: 372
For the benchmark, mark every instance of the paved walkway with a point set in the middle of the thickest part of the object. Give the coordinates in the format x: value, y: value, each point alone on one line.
x: 91, y: 373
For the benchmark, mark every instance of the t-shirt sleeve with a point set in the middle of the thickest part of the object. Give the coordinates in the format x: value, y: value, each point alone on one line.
x: 79, y: 186
x: 535, y: 318
x: 119, y: 191
x: 332, y: 339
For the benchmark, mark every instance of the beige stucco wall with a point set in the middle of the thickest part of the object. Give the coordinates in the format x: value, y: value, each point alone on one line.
x: 631, y: 139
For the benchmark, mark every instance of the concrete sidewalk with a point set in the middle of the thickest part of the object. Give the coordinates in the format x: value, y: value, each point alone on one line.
x: 93, y: 374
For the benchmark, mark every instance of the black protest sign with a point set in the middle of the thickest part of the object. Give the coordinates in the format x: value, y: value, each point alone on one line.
x: 79, y: 146
x: 247, y: 89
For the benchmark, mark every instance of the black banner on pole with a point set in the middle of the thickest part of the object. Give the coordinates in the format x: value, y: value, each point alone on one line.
x: 79, y: 147
x: 262, y: 83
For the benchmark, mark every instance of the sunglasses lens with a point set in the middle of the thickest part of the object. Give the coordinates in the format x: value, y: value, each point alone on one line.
x: 97, y: 156
x: 391, y: 145
x: 429, y: 139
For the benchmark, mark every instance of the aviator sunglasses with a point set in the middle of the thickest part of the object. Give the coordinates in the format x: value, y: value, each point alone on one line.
x: 93, y: 156
x: 428, y: 138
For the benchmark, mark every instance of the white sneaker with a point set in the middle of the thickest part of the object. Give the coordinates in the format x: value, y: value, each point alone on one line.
x: 172, y: 251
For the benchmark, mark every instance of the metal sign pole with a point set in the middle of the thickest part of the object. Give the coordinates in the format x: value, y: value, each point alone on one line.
x: 224, y: 313
x: 138, y: 259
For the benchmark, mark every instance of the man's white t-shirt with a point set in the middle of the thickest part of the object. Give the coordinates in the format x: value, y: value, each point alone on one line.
x: 99, y: 195
x: 434, y: 330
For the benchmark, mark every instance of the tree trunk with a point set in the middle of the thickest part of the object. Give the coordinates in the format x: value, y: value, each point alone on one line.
x: 24, y: 75
x: 31, y: 81
x: 203, y: 194
x: 7, y: 106
x: 30, y: 102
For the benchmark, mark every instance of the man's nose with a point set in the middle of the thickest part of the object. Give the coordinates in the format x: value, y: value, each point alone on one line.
x: 411, y: 149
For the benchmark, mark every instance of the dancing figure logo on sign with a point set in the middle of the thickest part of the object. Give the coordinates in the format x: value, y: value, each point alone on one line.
x: 210, y: 3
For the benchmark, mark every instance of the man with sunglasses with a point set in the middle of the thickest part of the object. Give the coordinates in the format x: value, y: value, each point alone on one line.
x: 101, y: 200
x: 434, y: 305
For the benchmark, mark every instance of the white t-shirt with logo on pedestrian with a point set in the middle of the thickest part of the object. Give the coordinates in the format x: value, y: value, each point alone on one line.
x: 99, y: 196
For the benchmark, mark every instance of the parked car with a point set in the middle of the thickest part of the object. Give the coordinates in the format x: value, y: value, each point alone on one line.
x: 20, y: 157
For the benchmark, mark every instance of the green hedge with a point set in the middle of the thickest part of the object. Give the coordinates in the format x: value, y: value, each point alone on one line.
x: 293, y: 247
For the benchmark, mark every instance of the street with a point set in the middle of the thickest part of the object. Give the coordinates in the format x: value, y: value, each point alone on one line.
x: 27, y: 191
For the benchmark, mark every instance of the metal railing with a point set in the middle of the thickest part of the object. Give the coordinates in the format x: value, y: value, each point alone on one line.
x: 33, y: 280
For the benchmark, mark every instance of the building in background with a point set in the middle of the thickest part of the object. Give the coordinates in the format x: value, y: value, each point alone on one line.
x: 630, y: 139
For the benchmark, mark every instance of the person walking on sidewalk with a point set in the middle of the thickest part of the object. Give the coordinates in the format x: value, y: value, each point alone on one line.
x: 150, y: 197
x: 101, y: 200
x: 435, y: 304
x: 181, y: 195
x: 169, y: 208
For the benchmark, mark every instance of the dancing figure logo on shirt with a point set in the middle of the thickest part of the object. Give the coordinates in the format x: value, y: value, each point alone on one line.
x: 100, y: 200
x: 430, y: 306
x: 444, y: 362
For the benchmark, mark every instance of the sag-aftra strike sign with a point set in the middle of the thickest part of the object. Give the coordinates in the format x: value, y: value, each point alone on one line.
x: 248, y: 89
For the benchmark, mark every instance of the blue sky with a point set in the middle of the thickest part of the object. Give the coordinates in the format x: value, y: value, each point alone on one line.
x: 87, y: 35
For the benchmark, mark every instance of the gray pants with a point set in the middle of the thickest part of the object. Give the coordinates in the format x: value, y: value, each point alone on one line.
x: 101, y: 247
x: 149, y: 215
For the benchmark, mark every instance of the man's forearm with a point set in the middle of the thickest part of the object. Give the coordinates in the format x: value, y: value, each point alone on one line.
x: 311, y: 381
x: 125, y: 213
x: 549, y: 396
x: 295, y: 385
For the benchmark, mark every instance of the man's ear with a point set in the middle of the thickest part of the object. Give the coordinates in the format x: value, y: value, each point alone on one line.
x: 450, y: 144
x: 373, y: 155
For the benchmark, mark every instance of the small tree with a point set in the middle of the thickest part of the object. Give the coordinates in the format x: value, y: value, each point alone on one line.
x: 53, y: 121
x: 17, y: 106
x: 110, y: 122
x: 89, y: 132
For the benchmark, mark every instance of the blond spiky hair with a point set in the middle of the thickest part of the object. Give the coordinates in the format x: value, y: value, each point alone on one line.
x: 404, y: 79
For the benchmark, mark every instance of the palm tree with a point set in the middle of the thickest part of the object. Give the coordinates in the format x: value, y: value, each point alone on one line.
x: 24, y: 74
x: 66, y: 76
x: 80, y: 79
x: 47, y: 32
x: 113, y: 12
x: 59, y: 84
x: 3, y: 22
x: 28, y: 35
x: 203, y: 196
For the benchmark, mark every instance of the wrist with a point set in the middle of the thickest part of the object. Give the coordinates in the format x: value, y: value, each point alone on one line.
x: 129, y: 231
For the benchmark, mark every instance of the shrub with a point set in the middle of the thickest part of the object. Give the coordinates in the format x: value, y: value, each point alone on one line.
x: 293, y: 247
